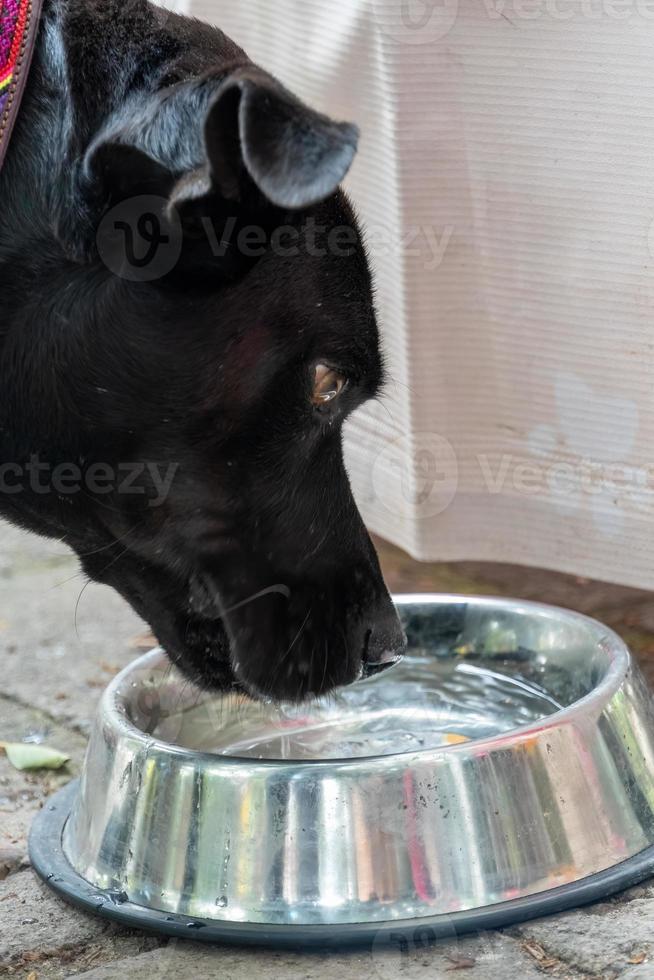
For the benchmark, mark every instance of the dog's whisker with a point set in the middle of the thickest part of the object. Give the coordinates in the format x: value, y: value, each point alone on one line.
x: 65, y: 581
x: 401, y: 384
x: 89, y: 554
x: 317, y: 548
x: 111, y: 544
x: 88, y: 582
x: 295, y: 639
x: 324, y: 670
x: 382, y: 403
x: 79, y: 597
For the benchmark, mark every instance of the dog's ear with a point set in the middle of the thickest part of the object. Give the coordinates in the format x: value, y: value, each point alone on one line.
x: 257, y: 133
x: 241, y: 139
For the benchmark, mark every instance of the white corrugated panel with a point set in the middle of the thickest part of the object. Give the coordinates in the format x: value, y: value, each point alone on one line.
x: 506, y: 177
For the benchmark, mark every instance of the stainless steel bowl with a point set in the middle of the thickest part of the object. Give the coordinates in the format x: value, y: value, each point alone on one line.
x: 504, y: 768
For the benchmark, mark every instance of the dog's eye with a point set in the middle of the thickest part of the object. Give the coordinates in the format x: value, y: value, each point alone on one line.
x: 327, y: 384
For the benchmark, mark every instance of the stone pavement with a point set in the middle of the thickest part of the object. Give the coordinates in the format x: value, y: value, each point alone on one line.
x: 60, y: 643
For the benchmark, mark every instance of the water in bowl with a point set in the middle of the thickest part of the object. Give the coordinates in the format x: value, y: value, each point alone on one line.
x: 421, y: 703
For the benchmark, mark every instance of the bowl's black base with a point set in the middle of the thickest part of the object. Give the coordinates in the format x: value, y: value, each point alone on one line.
x: 48, y: 858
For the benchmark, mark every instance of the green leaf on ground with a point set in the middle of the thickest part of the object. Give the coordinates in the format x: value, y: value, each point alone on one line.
x: 26, y: 756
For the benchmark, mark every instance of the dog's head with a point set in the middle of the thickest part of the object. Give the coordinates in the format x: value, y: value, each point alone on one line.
x: 223, y: 331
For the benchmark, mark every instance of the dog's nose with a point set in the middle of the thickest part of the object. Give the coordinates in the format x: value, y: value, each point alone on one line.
x: 385, y: 646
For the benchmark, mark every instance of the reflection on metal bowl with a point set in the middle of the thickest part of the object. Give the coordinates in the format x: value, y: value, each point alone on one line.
x: 504, y: 768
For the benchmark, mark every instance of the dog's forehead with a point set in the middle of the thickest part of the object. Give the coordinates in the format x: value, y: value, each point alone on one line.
x: 333, y: 271
x: 329, y: 294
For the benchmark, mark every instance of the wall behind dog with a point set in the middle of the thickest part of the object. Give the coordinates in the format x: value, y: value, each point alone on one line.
x: 506, y: 181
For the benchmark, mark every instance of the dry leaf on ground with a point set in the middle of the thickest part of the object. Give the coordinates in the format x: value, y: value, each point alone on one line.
x: 23, y: 755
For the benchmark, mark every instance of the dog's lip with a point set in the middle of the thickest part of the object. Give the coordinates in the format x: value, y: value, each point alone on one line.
x: 201, y: 649
x: 369, y: 669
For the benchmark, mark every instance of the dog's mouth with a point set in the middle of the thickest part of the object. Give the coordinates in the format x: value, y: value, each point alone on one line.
x: 278, y: 642
x: 271, y: 642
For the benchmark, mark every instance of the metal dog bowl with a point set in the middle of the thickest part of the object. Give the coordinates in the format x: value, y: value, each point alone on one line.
x: 504, y: 769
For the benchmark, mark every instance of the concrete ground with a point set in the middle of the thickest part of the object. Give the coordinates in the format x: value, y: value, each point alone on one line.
x: 61, y: 642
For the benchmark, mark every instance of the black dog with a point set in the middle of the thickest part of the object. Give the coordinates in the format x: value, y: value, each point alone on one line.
x: 186, y: 321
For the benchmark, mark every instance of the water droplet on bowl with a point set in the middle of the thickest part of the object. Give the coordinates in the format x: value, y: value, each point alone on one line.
x: 118, y: 897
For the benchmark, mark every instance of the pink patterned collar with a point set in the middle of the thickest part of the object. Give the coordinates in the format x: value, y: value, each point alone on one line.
x: 19, y: 21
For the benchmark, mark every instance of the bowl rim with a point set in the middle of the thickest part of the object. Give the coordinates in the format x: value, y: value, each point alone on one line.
x: 620, y: 661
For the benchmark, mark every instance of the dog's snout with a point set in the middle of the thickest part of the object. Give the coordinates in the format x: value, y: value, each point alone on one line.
x: 385, y: 646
